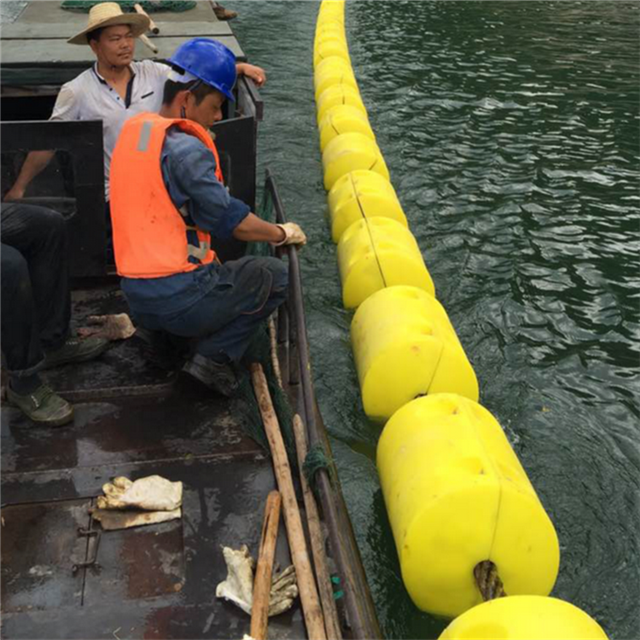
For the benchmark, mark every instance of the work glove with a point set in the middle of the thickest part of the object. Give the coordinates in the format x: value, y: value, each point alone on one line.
x: 238, y: 586
x: 111, y: 327
x: 293, y: 235
x: 152, y: 493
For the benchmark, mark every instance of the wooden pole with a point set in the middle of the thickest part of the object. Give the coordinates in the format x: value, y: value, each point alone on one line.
x: 262, y: 580
x: 316, y: 537
x: 153, y: 27
x: 148, y: 43
x: 304, y: 573
x: 273, y: 339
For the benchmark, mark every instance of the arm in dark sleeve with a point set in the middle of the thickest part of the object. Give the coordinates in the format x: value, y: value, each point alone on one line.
x: 188, y: 169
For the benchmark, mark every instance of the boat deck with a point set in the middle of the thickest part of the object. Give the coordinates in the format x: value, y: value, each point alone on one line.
x: 156, y: 581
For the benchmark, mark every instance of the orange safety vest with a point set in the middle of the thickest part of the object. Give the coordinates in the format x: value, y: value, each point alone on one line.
x: 149, y: 232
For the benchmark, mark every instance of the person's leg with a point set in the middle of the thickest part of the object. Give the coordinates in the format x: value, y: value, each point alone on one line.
x: 229, y: 343
x: 20, y: 340
x: 237, y: 296
x: 21, y: 346
x: 40, y: 235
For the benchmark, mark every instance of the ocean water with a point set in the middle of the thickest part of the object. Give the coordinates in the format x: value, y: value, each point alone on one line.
x: 511, y: 131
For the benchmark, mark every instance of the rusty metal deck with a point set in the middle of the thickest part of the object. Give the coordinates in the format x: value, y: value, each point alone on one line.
x: 150, y: 582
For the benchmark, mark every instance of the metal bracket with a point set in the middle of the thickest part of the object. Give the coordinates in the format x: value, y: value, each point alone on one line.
x: 91, y: 560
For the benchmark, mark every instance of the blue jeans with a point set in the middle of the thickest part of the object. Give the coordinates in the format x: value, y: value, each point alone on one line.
x: 233, y: 298
x: 36, y: 305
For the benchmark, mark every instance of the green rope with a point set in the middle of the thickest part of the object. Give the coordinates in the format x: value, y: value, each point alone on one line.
x: 316, y: 459
x: 176, y: 6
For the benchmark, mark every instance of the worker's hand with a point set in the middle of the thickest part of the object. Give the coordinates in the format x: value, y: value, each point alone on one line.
x: 15, y: 193
x: 257, y: 74
x: 293, y: 234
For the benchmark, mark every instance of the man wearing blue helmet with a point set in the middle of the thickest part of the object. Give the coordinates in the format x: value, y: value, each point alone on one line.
x: 168, y: 200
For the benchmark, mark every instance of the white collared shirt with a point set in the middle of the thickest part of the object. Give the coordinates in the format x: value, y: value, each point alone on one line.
x: 90, y: 97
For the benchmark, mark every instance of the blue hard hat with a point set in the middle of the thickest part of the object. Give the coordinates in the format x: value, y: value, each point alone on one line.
x: 209, y: 61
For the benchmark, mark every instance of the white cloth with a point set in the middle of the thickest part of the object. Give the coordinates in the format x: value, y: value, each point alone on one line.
x: 90, y: 97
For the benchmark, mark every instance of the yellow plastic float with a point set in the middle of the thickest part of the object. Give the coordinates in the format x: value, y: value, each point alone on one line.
x: 330, y: 48
x: 329, y: 39
x: 362, y: 194
x: 339, y: 94
x: 348, y: 152
x: 405, y: 346
x: 457, y: 495
x: 524, y: 618
x: 332, y: 71
x: 378, y: 253
x: 344, y: 119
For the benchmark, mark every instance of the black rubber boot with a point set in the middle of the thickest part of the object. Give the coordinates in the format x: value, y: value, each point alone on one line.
x: 162, y: 349
x: 217, y: 376
x: 43, y: 406
x: 75, y: 350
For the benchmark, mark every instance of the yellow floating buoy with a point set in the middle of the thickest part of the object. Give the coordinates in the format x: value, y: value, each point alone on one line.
x: 349, y: 152
x: 330, y: 48
x: 330, y: 32
x: 457, y: 495
x: 524, y: 618
x: 378, y: 253
x: 339, y: 94
x: 343, y: 119
x: 334, y: 75
x: 331, y: 62
x: 405, y: 346
x: 362, y: 194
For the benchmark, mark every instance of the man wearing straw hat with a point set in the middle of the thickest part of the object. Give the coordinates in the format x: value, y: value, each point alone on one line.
x: 114, y: 89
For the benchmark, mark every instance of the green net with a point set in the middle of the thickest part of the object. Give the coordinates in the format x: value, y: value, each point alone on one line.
x: 176, y: 6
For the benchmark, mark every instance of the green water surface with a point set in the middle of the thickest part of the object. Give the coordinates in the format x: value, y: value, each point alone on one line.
x: 511, y: 130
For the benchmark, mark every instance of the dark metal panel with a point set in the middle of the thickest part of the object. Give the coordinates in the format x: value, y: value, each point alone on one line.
x: 83, y: 142
x: 40, y: 544
x: 236, y: 140
x: 223, y: 504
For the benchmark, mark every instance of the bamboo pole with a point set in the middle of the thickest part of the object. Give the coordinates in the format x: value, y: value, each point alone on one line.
x: 316, y: 537
x: 262, y: 581
x: 148, y: 43
x: 306, y: 583
x: 153, y: 27
x: 275, y: 363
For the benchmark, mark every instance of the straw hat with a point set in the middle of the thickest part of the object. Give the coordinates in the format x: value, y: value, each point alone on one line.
x: 108, y: 14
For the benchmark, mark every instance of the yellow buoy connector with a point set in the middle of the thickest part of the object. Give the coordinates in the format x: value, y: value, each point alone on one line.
x: 457, y: 495
x: 362, y: 194
x: 344, y: 119
x: 524, y: 618
x: 339, y: 94
x: 405, y: 346
x: 348, y: 152
x: 378, y: 253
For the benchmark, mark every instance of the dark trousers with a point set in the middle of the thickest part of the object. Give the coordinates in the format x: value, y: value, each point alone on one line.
x: 236, y: 297
x: 35, y: 285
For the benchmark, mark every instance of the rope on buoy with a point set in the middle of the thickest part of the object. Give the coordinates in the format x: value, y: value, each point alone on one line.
x: 488, y: 580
